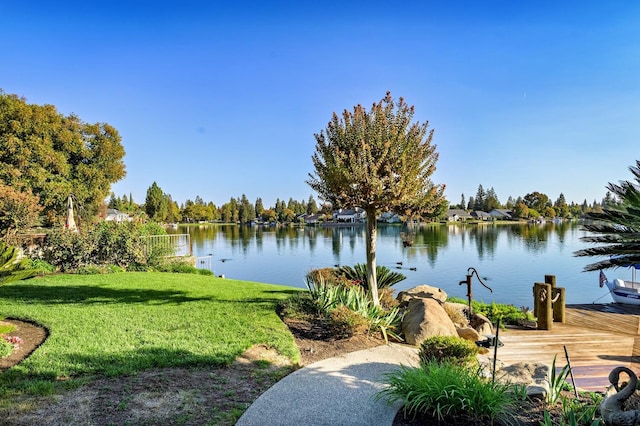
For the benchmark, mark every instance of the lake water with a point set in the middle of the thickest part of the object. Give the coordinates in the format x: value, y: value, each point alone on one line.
x: 509, y: 258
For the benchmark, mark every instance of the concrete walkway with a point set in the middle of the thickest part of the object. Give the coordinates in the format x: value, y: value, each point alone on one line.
x: 335, y: 391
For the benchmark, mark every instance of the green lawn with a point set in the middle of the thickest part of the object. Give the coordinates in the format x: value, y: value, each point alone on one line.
x: 116, y: 324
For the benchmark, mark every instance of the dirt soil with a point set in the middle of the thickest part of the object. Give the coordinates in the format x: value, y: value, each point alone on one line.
x: 203, y: 396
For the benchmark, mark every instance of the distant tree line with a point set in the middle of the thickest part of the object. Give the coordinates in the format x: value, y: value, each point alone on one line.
x: 533, y: 205
x: 160, y: 207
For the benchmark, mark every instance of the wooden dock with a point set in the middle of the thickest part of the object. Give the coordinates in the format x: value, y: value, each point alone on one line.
x: 598, y: 337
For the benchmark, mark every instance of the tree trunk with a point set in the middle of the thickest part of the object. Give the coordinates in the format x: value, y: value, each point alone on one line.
x: 372, y: 231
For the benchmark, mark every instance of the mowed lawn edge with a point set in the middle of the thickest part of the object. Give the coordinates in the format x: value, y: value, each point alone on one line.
x: 119, y: 324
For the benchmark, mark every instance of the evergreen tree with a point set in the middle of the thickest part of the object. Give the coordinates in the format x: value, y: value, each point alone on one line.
x: 312, y: 207
x: 480, y: 202
x: 259, y: 207
x: 155, y: 204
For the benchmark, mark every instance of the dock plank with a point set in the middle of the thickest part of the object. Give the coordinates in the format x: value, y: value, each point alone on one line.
x: 597, y: 337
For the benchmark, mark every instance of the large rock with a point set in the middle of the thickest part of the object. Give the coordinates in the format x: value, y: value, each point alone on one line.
x: 422, y: 291
x: 426, y: 318
x: 481, y: 324
x: 468, y: 333
x: 533, y: 376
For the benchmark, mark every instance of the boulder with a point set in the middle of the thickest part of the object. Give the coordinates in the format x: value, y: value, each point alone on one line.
x: 425, y: 318
x: 481, y: 324
x: 422, y: 291
x: 468, y: 333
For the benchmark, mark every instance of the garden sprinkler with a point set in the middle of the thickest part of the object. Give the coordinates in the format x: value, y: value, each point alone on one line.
x: 467, y: 281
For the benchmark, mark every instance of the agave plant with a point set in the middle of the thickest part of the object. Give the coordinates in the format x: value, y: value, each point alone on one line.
x: 12, y: 269
x: 358, y: 273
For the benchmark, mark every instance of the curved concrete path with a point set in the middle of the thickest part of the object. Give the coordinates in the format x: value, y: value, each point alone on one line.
x: 335, y: 391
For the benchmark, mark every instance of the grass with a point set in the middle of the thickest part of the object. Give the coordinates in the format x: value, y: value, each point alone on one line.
x: 123, y: 323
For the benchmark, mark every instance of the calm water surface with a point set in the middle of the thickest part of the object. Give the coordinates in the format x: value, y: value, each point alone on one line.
x: 509, y: 258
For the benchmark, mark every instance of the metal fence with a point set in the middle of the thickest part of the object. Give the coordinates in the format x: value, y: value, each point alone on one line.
x: 204, y: 262
x: 177, y: 244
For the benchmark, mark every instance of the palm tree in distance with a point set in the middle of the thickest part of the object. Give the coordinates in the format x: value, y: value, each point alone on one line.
x: 617, y: 227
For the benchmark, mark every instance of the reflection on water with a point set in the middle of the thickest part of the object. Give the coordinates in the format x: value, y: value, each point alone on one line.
x: 510, y: 257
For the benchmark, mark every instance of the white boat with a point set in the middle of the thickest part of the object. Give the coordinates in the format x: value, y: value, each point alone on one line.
x: 627, y: 292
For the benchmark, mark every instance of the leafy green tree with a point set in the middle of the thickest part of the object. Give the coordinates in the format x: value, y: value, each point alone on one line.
x: 156, y: 205
x: 536, y: 201
x: 616, y: 227
x: 378, y: 161
x: 55, y: 155
x: 521, y: 210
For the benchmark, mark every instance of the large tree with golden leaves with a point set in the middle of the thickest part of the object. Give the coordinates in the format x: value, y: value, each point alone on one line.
x: 378, y: 160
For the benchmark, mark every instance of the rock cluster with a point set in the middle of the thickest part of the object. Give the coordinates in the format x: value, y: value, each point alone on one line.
x: 427, y: 314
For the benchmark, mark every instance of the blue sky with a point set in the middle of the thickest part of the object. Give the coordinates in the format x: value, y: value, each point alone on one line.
x: 220, y: 99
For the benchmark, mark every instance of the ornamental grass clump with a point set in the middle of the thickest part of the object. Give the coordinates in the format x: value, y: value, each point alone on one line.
x: 329, y: 292
x: 452, y: 393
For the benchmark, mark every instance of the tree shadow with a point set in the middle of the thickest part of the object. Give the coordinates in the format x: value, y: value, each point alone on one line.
x: 91, y: 294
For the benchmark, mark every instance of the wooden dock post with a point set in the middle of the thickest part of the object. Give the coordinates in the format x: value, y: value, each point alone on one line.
x: 542, y: 305
x: 558, y: 299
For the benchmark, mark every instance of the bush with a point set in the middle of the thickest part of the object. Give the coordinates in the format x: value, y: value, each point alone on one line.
x: 106, y: 243
x: 326, y: 296
x: 346, y: 323
x: 6, y: 348
x: 507, y: 314
x: 447, y: 349
x: 358, y: 273
x: 453, y: 393
x: 42, y: 267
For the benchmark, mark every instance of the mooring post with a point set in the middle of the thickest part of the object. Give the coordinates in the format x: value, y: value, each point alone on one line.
x: 542, y: 300
x: 557, y: 299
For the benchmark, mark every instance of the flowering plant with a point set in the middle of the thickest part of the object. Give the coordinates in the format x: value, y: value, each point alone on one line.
x: 14, y: 340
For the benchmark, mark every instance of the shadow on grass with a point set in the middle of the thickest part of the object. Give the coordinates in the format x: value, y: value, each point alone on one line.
x: 98, y: 365
x: 90, y: 294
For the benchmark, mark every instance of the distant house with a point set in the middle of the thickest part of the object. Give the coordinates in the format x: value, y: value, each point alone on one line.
x: 349, y: 215
x: 389, y: 217
x: 312, y: 219
x: 117, y: 216
x: 455, y: 215
x: 501, y: 214
x: 480, y: 215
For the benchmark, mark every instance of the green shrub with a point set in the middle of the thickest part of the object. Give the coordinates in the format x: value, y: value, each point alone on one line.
x: 447, y: 349
x: 6, y: 348
x: 106, y: 243
x: 507, y: 314
x: 327, y: 296
x: 297, y: 306
x: 89, y: 270
x: 344, y: 322
x: 453, y: 393
x: 42, y: 267
x: 358, y: 273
